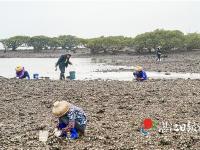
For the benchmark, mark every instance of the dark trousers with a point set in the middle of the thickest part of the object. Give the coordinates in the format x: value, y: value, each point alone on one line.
x: 158, y: 57
x: 80, y: 128
x: 62, y: 72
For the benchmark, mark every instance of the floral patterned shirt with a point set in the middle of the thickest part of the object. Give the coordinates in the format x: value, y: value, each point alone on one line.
x: 74, y: 115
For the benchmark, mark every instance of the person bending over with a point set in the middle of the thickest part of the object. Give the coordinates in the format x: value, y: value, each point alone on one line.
x: 21, y: 73
x: 140, y: 74
x: 71, y: 120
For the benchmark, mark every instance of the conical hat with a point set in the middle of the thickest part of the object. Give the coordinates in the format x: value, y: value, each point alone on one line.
x: 60, y: 108
x: 19, y: 68
x: 138, y: 68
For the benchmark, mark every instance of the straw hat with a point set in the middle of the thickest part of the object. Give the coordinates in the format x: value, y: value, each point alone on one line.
x: 60, y: 108
x: 138, y: 68
x: 19, y: 68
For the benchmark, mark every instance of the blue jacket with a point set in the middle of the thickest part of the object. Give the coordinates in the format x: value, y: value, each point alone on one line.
x: 141, y: 74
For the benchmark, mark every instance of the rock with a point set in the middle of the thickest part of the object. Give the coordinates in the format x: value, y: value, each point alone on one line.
x: 100, y: 111
x: 21, y: 114
x: 122, y: 107
x: 165, y: 141
x: 167, y: 73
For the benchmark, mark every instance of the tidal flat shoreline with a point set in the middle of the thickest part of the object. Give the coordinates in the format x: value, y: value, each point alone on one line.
x: 184, y: 62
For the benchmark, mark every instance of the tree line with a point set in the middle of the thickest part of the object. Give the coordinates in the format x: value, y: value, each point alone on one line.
x: 147, y: 42
x: 41, y: 42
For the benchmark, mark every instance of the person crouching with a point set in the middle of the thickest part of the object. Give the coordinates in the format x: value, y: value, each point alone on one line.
x: 21, y: 73
x: 71, y: 120
x: 140, y: 74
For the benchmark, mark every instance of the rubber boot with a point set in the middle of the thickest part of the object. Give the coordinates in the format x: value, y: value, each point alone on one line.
x: 62, y: 76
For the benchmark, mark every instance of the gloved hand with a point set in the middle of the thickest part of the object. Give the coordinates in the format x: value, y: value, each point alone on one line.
x: 57, y: 132
x: 73, y: 134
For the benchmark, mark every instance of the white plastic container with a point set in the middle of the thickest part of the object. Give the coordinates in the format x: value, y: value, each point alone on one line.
x: 43, y: 135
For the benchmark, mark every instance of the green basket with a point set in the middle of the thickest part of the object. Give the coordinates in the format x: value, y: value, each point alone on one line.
x: 72, y: 75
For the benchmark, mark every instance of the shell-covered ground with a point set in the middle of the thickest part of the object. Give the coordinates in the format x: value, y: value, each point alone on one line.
x: 115, y: 111
x: 175, y: 62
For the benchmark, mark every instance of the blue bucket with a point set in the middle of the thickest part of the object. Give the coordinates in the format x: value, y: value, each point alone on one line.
x: 72, y: 75
x: 36, y: 76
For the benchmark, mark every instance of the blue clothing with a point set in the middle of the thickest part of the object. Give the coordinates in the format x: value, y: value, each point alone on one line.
x: 74, y: 121
x: 73, y: 132
x: 141, y: 75
x: 75, y: 114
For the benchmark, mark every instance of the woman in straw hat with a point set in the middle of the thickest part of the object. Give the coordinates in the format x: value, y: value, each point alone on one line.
x: 71, y: 119
x: 21, y: 73
x: 140, y: 74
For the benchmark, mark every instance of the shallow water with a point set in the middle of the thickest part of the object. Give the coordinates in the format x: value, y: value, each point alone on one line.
x: 86, y: 69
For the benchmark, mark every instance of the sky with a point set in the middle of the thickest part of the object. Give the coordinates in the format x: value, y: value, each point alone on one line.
x: 94, y: 18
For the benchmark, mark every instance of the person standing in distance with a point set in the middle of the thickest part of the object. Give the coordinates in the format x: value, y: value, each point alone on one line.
x: 158, y: 54
x: 63, y: 63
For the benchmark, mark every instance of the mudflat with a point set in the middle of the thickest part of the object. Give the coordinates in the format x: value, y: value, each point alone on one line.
x: 115, y: 111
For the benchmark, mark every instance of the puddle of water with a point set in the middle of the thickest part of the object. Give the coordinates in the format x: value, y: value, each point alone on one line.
x: 86, y: 69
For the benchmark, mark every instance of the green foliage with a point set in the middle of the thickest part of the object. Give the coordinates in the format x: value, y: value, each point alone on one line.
x: 192, y: 41
x: 68, y: 41
x: 108, y: 44
x: 83, y: 41
x: 53, y: 43
x: 168, y: 40
x: 39, y: 42
x: 14, y: 42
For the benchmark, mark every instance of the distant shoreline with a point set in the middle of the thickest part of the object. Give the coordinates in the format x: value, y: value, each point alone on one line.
x: 42, y: 54
x: 78, y: 54
x: 185, y: 62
